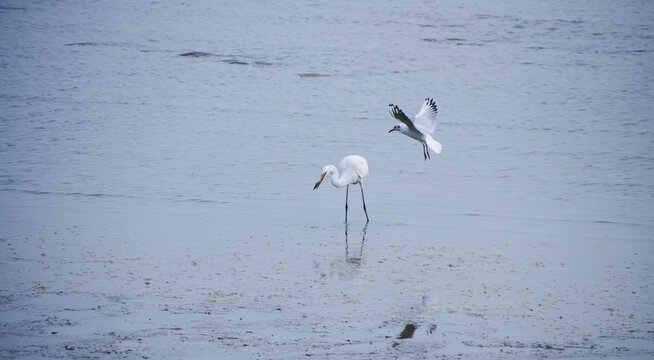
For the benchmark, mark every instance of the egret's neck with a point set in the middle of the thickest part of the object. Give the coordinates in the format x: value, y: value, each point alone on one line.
x: 334, y: 176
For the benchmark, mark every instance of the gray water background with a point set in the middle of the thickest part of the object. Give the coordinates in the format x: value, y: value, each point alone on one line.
x: 545, y: 120
x: 544, y: 108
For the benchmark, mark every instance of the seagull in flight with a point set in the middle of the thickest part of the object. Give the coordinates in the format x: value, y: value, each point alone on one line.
x: 421, y: 128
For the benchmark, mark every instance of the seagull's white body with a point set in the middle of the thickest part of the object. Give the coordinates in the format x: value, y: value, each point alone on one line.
x: 421, y: 128
x: 351, y: 171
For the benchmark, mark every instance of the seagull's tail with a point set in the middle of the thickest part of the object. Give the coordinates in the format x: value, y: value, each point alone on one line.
x: 434, y: 145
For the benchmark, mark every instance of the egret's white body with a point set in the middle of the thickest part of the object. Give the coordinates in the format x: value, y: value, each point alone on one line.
x: 421, y: 128
x: 351, y: 171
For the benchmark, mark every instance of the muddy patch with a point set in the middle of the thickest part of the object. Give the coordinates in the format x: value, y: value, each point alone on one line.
x: 197, y: 54
x: 228, y: 59
x: 312, y: 75
x: 408, y: 331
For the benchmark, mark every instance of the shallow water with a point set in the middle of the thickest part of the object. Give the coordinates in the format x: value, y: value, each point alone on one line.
x: 130, y: 172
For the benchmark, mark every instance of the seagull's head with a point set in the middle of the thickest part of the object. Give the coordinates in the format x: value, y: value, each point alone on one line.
x: 395, y: 128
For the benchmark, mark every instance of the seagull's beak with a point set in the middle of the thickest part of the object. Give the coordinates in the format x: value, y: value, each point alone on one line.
x: 319, y: 181
x: 391, y: 130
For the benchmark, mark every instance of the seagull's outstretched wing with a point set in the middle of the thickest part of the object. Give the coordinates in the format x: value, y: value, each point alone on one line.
x: 426, y: 117
x: 400, y: 115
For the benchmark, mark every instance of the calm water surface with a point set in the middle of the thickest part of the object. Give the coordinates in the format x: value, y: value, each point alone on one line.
x: 544, y: 109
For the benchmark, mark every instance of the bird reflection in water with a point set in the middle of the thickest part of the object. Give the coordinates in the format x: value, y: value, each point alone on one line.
x: 355, y: 258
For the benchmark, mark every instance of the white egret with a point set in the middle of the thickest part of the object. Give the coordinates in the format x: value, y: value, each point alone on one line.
x: 351, y: 171
x: 421, y: 128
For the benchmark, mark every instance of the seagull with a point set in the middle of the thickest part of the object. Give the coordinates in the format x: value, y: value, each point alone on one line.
x: 421, y: 128
x: 353, y: 168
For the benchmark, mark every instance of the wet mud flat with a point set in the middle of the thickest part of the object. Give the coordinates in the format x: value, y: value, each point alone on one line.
x: 137, y: 220
x: 317, y: 292
x: 119, y: 327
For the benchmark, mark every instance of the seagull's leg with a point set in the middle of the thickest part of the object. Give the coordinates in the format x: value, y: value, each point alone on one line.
x: 364, y: 203
x: 347, y: 190
x: 424, y: 151
x: 427, y: 150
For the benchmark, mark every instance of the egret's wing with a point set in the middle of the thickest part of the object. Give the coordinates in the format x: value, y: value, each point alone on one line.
x: 400, y: 115
x: 354, y: 168
x: 426, y: 117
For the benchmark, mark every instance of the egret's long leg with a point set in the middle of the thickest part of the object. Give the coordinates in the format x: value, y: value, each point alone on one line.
x: 364, y: 203
x: 347, y: 190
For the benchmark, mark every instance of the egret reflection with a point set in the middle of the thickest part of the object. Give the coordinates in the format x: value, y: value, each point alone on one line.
x: 355, y: 258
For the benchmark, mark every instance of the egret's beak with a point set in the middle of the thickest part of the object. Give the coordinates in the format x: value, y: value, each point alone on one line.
x: 319, y: 181
x: 391, y: 130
